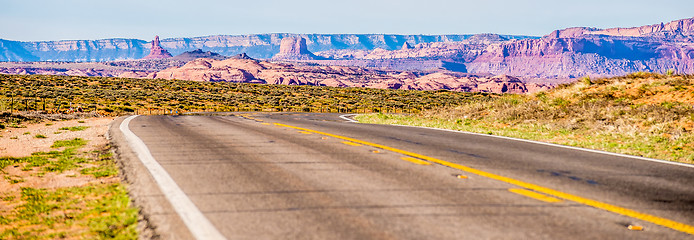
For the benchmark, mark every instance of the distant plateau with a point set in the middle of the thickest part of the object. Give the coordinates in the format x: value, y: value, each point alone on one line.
x: 422, y: 62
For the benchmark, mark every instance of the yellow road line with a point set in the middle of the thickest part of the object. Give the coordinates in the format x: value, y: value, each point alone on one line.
x: 353, y: 144
x: 416, y: 161
x: 585, y: 201
x: 534, y: 195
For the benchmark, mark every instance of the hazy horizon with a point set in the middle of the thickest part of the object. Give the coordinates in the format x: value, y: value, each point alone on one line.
x: 174, y: 37
x: 22, y: 20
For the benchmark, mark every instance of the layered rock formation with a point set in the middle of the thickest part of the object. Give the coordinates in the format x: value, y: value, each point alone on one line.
x: 577, y: 57
x: 74, y: 50
x: 198, y: 53
x: 256, y: 45
x: 252, y: 71
x: 157, y: 52
x: 131, y: 68
x: 294, y: 48
x: 463, y: 51
x: 13, y: 51
x: 563, y: 54
x: 70, y: 69
x: 577, y: 52
x: 448, y: 81
x: 676, y: 29
x: 205, y: 69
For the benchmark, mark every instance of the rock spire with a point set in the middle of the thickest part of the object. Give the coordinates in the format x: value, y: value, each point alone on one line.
x: 157, y: 51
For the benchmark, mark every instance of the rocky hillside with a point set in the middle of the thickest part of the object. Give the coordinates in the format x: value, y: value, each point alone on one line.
x: 253, y: 71
x: 568, y: 53
x: 563, y: 54
x: 578, y: 52
x: 256, y: 45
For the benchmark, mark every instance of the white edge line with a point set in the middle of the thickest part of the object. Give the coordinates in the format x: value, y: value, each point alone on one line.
x: 346, y: 117
x: 553, y: 145
x: 199, y: 226
x: 558, y: 145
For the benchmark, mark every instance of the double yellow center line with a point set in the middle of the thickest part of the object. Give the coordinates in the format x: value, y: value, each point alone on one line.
x: 585, y: 201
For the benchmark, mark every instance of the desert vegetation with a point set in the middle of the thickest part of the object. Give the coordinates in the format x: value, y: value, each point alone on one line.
x: 94, y: 205
x: 117, y: 96
x: 643, y: 114
x: 99, y: 209
x: 58, y: 180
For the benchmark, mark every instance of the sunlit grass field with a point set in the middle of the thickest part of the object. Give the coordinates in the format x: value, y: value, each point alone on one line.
x: 118, y: 96
x: 641, y: 114
x: 100, y: 210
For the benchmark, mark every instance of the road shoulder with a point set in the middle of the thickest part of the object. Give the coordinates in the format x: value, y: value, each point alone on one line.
x: 158, y: 219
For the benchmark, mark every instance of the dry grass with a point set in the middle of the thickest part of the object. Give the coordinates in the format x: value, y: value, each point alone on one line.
x: 68, y: 191
x: 640, y: 114
x: 121, y: 96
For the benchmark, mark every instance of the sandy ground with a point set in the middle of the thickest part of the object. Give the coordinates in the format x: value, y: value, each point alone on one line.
x: 15, y: 143
x: 25, y: 144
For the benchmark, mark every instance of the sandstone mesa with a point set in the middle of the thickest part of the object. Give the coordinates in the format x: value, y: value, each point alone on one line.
x: 294, y: 48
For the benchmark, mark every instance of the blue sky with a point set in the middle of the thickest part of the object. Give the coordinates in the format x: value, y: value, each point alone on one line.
x: 38, y: 20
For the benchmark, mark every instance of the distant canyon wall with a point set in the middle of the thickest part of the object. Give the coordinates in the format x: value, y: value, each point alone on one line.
x: 563, y: 54
x: 74, y: 50
x: 586, y: 56
x: 257, y: 46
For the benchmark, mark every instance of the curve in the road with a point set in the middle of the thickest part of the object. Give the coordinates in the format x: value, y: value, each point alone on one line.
x: 344, y: 134
x: 589, y: 202
x: 548, y: 144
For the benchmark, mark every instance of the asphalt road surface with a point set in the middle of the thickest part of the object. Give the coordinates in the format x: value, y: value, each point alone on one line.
x: 317, y: 176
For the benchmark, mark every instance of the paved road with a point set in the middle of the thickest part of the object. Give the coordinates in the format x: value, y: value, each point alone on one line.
x: 316, y: 176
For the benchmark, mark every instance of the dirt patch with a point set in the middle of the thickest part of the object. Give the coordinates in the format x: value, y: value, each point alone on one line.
x: 16, y: 143
x: 50, y: 180
x: 21, y: 142
x: 59, y: 181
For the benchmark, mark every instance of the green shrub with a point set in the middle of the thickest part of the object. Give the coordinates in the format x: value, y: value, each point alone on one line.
x: 77, y: 142
x: 73, y: 129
